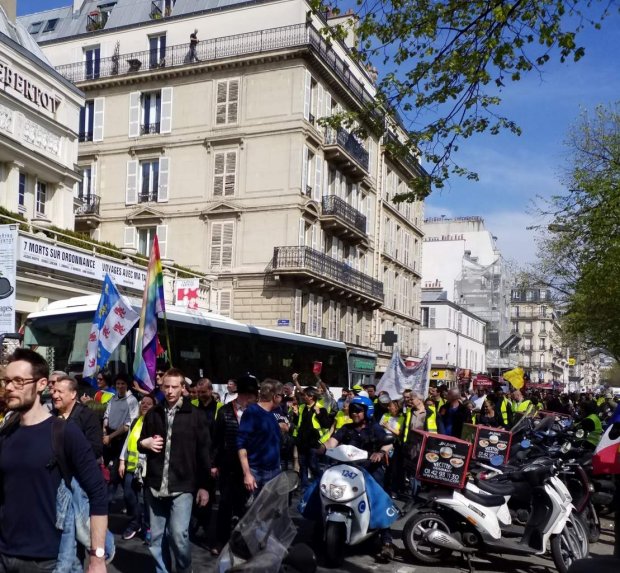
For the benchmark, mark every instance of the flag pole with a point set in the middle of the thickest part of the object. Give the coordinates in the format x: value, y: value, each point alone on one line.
x: 167, y: 340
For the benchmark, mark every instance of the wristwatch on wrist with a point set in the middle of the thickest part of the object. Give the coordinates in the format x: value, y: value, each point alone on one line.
x: 97, y: 552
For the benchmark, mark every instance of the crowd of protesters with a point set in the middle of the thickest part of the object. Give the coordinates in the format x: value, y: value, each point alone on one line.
x: 176, y: 450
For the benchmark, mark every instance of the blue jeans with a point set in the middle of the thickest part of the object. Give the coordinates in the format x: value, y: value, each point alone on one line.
x: 73, y: 519
x: 263, y: 476
x: 170, y: 516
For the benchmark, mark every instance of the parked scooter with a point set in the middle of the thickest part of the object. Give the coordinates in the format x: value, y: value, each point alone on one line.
x: 471, y: 522
x: 346, y: 503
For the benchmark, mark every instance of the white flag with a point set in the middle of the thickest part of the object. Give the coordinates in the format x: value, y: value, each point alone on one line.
x: 398, y: 377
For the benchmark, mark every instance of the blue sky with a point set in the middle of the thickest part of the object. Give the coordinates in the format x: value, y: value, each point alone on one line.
x: 515, y: 170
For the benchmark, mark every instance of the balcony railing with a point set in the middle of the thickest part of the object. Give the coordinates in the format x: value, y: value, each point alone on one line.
x: 149, y: 128
x: 333, y: 205
x: 86, y: 205
x: 401, y: 153
x: 147, y: 197
x: 326, y: 267
x: 296, y: 36
x: 349, y: 143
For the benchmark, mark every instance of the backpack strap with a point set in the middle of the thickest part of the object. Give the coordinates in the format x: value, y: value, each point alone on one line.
x: 58, y: 447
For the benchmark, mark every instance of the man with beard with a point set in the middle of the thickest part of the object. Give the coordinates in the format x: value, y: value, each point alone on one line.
x: 30, y: 473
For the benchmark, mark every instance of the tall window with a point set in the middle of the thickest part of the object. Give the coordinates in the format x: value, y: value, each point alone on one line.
x: 157, y: 51
x: 84, y: 186
x: 149, y: 180
x: 225, y: 174
x: 40, y: 198
x: 21, y: 191
x: 146, y: 236
x: 222, y: 235
x: 227, y: 102
x: 151, y: 112
x: 87, y: 120
x: 92, y: 62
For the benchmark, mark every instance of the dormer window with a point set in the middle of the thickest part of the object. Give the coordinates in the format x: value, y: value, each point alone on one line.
x: 35, y: 27
x: 50, y: 26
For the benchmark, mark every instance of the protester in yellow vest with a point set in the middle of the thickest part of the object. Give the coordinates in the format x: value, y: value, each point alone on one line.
x: 431, y: 423
x: 342, y: 416
x: 131, y: 472
x: 520, y: 405
x: 591, y: 424
x: 393, y: 420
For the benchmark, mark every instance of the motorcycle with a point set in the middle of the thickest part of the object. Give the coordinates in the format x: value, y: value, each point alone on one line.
x: 474, y: 520
x: 261, y: 540
x: 349, y: 496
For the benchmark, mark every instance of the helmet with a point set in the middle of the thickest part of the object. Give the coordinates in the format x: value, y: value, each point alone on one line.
x: 366, y: 403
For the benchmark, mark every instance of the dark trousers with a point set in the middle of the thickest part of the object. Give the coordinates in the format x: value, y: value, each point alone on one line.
x: 201, y: 516
x: 21, y: 565
x: 233, y: 498
x: 308, y: 462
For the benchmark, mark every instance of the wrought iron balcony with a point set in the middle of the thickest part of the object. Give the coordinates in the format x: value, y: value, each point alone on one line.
x: 321, y: 268
x: 86, y: 205
x: 342, y: 219
x: 343, y: 147
x: 147, y: 197
x: 149, y: 128
x: 400, y: 153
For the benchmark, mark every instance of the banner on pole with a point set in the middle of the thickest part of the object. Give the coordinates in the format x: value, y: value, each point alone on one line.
x: 398, y: 377
x: 8, y: 277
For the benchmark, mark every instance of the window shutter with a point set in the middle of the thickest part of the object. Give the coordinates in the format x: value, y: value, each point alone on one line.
x: 407, y: 240
x: 304, y: 170
x: 129, y: 237
x: 315, y: 238
x: 225, y: 302
x: 98, y: 108
x: 228, y: 232
x: 302, y: 233
x: 162, y: 237
x: 216, y: 245
x: 297, y: 311
x: 164, y: 177
x: 328, y: 104
x: 319, y: 315
x: 311, y: 318
x: 221, y: 97
x: 93, y: 178
x: 131, y: 193
x: 233, y: 100
x: 230, y: 173
x: 332, y: 332
x: 318, y: 179
x: 308, y: 95
x: 431, y: 321
x: 165, y: 125
x: 134, y: 114
x: 319, y: 103
x: 218, y: 174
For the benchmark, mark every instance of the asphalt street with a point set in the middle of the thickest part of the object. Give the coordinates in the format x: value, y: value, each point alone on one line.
x: 133, y: 557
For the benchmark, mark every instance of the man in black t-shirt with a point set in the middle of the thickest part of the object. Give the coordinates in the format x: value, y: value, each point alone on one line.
x: 30, y: 474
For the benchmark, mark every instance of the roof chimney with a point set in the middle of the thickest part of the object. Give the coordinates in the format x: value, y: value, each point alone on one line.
x: 10, y: 7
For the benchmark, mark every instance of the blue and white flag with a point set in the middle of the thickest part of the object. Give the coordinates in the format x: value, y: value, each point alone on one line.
x: 399, y: 377
x: 112, y: 322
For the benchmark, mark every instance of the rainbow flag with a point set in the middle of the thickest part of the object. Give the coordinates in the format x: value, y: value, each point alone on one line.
x: 152, y: 304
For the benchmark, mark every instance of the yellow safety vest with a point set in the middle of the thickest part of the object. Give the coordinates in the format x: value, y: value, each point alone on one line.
x: 342, y: 419
x: 132, y: 445
x: 521, y: 407
x: 504, y: 410
x: 431, y: 421
x: 398, y: 423
x: 473, y: 419
x: 594, y: 437
x: 324, y: 433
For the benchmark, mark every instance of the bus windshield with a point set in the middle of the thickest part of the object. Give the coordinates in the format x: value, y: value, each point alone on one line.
x: 62, y: 340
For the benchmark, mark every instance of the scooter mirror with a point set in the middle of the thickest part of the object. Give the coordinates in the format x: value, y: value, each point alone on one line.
x: 566, y: 447
x: 525, y: 444
x: 580, y: 433
x: 497, y: 461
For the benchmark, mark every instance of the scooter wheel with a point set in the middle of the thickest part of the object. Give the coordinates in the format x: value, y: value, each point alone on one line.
x: 571, y: 544
x: 415, y: 537
x: 335, y: 541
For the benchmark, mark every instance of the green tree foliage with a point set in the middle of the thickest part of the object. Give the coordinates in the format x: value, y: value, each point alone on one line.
x: 445, y: 62
x: 581, y: 254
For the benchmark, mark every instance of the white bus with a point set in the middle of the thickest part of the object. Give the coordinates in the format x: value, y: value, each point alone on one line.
x: 201, y: 344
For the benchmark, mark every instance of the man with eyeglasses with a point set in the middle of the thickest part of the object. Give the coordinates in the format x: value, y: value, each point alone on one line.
x: 30, y: 474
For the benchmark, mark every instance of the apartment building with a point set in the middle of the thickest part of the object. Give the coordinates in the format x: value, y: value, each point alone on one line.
x: 540, y: 351
x: 219, y: 149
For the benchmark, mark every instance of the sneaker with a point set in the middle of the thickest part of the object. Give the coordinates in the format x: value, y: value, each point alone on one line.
x: 147, y: 537
x: 130, y: 533
x: 387, y: 553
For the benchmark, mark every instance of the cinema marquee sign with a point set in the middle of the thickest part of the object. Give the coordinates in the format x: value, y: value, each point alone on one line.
x: 9, y: 78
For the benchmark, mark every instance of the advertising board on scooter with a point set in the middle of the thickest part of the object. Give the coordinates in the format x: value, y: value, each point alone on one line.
x: 487, y: 442
x: 442, y: 459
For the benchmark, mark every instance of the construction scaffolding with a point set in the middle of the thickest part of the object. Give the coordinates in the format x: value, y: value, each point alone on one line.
x: 484, y: 290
